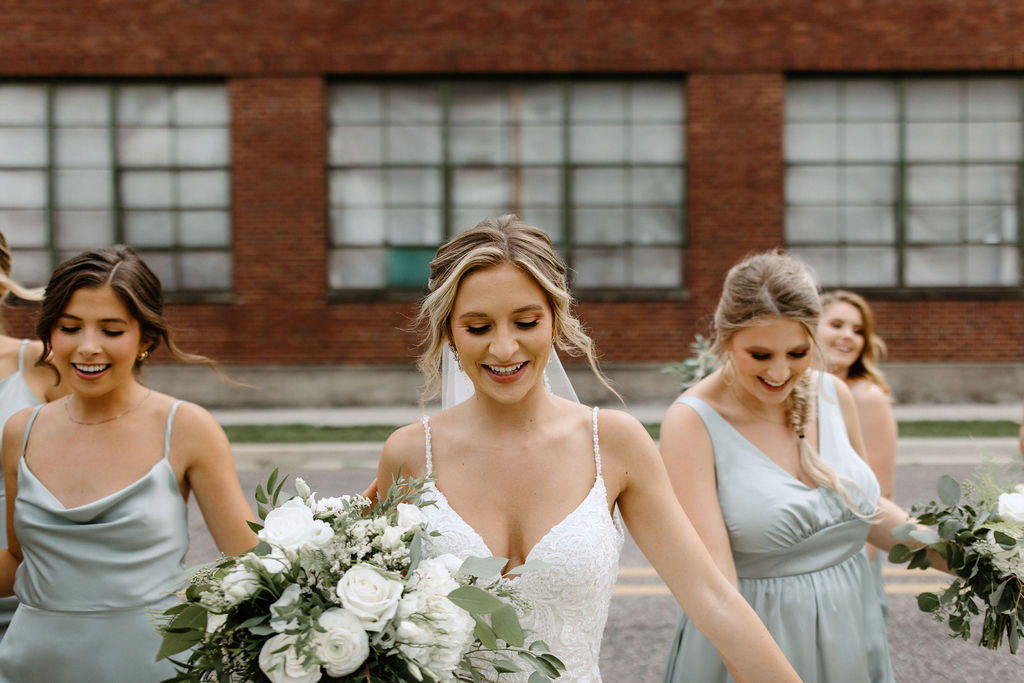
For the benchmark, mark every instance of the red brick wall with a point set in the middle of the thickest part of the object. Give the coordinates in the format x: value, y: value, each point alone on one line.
x: 276, y: 54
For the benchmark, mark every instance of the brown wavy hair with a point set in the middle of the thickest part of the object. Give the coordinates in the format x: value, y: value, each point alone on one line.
x: 120, y: 268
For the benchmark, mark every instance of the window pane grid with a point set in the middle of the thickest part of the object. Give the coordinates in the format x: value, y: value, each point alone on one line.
x: 91, y: 164
x: 599, y: 165
x: 923, y: 174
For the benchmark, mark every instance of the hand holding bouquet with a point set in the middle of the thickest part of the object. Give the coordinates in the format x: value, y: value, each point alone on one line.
x: 336, y: 590
x: 981, y: 537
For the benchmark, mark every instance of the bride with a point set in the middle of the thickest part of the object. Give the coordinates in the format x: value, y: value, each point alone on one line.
x: 525, y: 474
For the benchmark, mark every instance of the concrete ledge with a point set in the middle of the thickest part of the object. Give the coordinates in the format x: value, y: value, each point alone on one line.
x: 400, y: 385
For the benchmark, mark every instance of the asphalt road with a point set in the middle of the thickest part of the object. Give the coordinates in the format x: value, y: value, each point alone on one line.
x: 643, y: 615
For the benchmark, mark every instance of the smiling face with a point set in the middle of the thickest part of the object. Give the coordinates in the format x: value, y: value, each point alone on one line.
x: 501, y: 326
x: 841, y: 332
x: 96, y: 342
x: 769, y: 358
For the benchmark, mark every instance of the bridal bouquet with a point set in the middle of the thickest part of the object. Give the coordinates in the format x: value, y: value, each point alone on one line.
x: 980, y: 535
x: 336, y: 590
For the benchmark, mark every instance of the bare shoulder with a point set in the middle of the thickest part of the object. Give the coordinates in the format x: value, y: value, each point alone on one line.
x: 404, y: 451
x: 623, y: 440
x: 869, y: 394
x: 188, y: 416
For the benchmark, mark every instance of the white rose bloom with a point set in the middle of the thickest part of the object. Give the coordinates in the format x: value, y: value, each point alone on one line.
x: 214, y: 621
x: 344, y: 645
x: 369, y: 595
x: 409, y: 516
x: 330, y: 506
x: 288, y: 526
x: 434, y: 575
x: 274, y: 563
x: 239, y: 583
x: 289, y: 597
x: 322, y: 534
x: 286, y: 666
x: 391, y: 539
x: 1011, y: 507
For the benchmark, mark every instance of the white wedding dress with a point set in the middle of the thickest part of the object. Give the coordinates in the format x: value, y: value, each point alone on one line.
x: 570, y: 598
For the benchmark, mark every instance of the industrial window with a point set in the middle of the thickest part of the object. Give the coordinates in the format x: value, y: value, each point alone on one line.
x: 599, y: 165
x: 85, y: 165
x: 905, y: 182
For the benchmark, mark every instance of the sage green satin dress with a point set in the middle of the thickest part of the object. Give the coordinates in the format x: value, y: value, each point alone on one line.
x: 92, y: 579
x: 15, y: 395
x: 800, y: 558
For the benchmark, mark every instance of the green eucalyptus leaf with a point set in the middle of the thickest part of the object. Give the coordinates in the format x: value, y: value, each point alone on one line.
x: 483, y: 567
x: 537, y: 677
x: 531, y: 566
x: 1004, y: 539
x: 949, y: 490
x: 902, y: 532
x: 899, y: 554
x: 927, y: 602
x: 925, y: 535
x: 484, y: 633
x: 475, y: 600
x: 506, y: 625
x: 504, y: 665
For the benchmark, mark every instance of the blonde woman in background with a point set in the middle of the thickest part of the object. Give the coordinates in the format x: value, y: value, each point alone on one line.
x: 23, y: 384
x: 765, y: 454
x: 853, y: 350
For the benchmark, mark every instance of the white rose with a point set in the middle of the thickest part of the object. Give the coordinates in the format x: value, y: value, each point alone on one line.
x: 391, y: 539
x: 344, y: 645
x: 291, y: 526
x: 286, y: 666
x: 1011, y: 507
x: 369, y: 595
x: 330, y: 506
x: 435, y: 575
x: 409, y: 516
x: 274, y: 563
x: 288, y: 598
x: 214, y: 621
x: 239, y: 583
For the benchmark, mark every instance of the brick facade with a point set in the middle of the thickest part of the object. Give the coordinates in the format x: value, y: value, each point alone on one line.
x: 275, y: 57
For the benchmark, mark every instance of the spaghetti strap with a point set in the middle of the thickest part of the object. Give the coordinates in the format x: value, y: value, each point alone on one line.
x: 21, y: 355
x: 597, y: 446
x: 167, y: 433
x: 28, y: 428
x: 430, y: 457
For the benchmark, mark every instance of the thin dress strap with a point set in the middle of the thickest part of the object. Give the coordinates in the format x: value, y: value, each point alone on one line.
x: 167, y: 433
x: 21, y: 355
x: 597, y: 446
x: 430, y: 456
x: 28, y: 428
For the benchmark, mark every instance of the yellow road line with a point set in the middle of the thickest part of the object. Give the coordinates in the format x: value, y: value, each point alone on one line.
x: 893, y: 586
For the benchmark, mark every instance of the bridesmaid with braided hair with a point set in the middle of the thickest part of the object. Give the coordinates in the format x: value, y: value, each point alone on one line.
x: 766, y: 456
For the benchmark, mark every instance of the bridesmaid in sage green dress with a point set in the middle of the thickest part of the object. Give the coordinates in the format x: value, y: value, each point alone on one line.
x: 23, y: 385
x: 765, y: 456
x: 97, y: 484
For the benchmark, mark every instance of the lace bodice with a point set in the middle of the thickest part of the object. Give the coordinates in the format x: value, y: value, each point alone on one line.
x: 570, y: 598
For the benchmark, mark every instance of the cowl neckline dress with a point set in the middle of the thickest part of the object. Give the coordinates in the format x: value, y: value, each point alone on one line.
x: 799, y: 555
x: 94, y: 577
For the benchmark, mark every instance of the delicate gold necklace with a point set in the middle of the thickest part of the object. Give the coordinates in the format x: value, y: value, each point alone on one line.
x: 759, y: 417
x: 67, y: 410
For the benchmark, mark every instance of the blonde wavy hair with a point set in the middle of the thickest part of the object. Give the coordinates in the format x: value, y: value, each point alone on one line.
x: 771, y: 285
x: 492, y: 242
x: 7, y: 284
x: 866, y: 365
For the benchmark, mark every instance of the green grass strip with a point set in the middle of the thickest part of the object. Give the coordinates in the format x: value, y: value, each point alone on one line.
x: 298, y: 433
